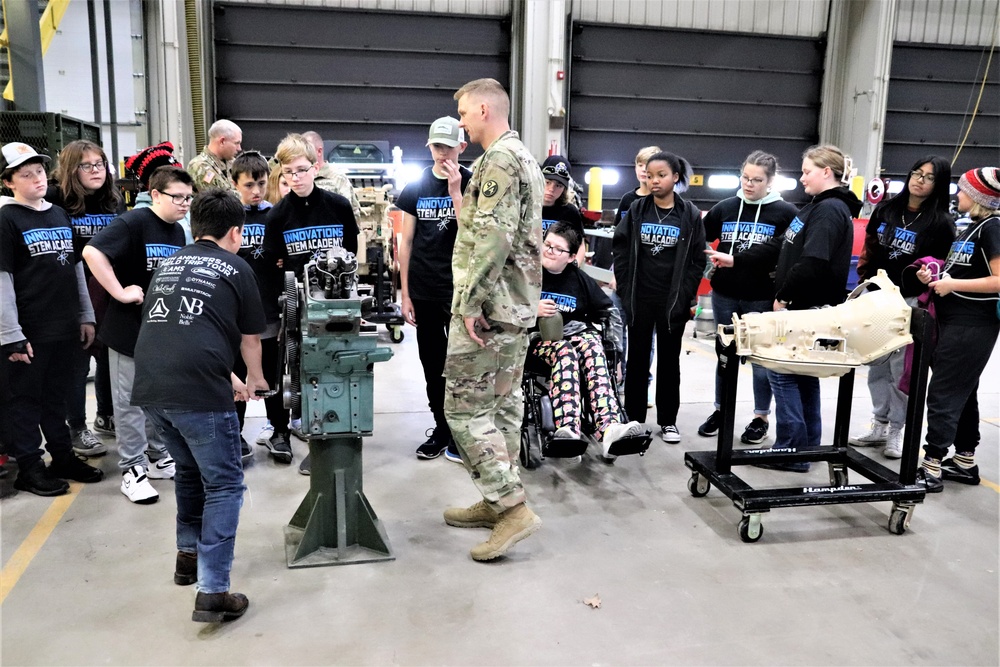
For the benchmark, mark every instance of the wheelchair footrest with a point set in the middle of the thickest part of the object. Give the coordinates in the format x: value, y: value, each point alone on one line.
x: 636, y: 444
x: 564, y: 448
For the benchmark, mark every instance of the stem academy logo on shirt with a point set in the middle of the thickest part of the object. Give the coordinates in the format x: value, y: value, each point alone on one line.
x: 961, y: 253
x: 313, y: 240
x: 440, y: 210
x: 565, y: 303
x: 50, y: 241
x: 903, y: 242
x: 659, y: 236
x: 253, y: 239
x: 742, y: 235
x: 157, y: 252
x: 794, y: 227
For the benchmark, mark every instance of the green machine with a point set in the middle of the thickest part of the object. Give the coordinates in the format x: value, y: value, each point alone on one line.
x: 329, y: 357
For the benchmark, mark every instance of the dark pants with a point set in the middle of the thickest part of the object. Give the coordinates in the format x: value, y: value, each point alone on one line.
x: 208, y: 486
x: 274, y: 405
x: 668, y: 365
x: 76, y: 396
x: 433, y: 318
x: 29, y: 398
x: 952, y: 407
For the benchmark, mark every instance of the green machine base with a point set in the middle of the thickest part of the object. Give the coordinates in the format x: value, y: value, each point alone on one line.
x: 335, y: 524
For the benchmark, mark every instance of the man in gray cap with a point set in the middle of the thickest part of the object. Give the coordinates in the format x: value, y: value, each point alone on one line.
x: 430, y: 208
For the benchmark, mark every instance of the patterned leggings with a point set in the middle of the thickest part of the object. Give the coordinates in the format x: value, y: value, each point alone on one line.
x: 566, y: 358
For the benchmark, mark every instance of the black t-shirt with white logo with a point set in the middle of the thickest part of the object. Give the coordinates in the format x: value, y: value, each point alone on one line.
x: 429, y: 275
x: 135, y: 243
x: 968, y: 259
x: 301, y: 228
x: 577, y: 296
x: 37, y: 250
x: 658, y: 237
x: 264, y: 265
x: 198, y: 307
x: 90, y: 222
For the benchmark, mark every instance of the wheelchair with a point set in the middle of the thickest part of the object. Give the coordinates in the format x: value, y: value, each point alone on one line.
x: 538, y: 425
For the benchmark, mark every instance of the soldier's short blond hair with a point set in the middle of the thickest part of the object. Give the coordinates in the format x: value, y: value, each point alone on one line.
x: 294, y: 146
x: 224, y: 128
x: 489, y: 91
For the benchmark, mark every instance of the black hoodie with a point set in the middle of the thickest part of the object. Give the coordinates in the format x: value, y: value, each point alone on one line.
x: 689, y: 258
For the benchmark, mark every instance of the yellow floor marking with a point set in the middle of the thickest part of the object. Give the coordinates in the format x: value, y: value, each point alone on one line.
x: 33, y: 543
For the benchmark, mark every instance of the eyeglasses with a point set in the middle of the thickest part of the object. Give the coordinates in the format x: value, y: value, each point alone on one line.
x: 297, y: 173
x: 90, y: 167
x: 557, y: 169
x: 751, y: 181
x: 922, y: 177
x: 557, y: 250
x: 180, y: 200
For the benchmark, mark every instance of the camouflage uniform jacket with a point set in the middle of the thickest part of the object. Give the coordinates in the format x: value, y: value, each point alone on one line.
x: 497, y: 261
x: 208, y: 171
x: 331, y: 180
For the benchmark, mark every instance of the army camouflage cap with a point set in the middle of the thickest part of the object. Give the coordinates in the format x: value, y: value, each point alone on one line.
x: 446, y: 131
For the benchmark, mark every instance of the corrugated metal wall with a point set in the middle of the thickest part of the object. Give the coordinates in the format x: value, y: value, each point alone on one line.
x: 954, y: 22
x: 473, y: 7
x: 796, y: 18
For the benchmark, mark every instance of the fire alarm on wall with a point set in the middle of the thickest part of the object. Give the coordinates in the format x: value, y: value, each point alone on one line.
x: 560, y: 75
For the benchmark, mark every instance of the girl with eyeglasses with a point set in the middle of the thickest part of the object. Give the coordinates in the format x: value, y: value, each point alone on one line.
x: 658, y: 251
x: 913, y: 224
x: 85, y: 188
x: 755, y: 216
x: 577, y: 361
x: 814, y: 259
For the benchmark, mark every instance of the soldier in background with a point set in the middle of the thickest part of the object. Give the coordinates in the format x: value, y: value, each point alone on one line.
x: 210, y: 168
x: 498, y: 280
x: 329, y: 178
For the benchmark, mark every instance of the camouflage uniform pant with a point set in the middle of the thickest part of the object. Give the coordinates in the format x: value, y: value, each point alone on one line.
x: 484, y: 406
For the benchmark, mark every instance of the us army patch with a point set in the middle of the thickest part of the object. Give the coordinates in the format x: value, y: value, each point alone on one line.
x: 490, y: 188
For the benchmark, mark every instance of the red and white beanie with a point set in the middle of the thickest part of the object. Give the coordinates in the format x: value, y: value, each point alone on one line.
x: 982, y: 186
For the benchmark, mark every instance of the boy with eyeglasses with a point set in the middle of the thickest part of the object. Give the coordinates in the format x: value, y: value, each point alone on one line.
x: 123, y: 257
x: 45, y: 313
x: 307, y: 222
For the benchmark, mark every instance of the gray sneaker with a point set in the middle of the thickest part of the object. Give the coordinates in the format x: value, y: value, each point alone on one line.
x: 85, y: 443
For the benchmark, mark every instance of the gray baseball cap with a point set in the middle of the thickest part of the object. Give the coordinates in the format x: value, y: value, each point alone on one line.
x: 446, y: 131
x: 15, y: 154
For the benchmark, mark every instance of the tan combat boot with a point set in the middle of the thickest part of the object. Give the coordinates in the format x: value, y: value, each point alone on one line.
x: 479, y: 515
x: 514, y: 525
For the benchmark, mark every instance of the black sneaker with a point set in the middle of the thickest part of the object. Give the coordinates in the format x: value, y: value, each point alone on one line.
x: 755, y: 432
x: 35, y: 479
x: 305, y: 468
x: 70, y: 467
x: 279, y: 448
x: 930, y: 482
x: 105, y: 424
x: 953, y: 472
x: 246, y: 451
x: 711, y: 425
x: 437, y: 442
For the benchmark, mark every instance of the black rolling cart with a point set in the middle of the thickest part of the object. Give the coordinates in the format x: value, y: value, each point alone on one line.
x: 715, y: 468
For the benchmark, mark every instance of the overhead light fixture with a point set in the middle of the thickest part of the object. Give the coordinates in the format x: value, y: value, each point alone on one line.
x: 608, y: 176
x: 723, y: 182
x: 895, y: 187
x: 785, y: 183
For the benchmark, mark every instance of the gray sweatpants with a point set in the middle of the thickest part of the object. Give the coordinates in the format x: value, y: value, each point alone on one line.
x: 132, y: 432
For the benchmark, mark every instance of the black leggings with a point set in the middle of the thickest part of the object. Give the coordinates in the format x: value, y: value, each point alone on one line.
x: 668, y: 365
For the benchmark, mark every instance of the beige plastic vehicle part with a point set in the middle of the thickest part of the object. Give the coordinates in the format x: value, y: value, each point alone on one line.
x: 826, y: 342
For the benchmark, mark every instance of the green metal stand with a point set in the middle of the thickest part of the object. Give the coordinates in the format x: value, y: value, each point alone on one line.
x: 334, y: 524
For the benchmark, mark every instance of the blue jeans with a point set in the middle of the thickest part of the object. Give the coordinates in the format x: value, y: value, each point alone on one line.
x: 797, y: 409
x: 723, y: 308
x: 208, y: 485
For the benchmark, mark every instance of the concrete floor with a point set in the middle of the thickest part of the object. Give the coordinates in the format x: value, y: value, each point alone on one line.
x: 825, y: 585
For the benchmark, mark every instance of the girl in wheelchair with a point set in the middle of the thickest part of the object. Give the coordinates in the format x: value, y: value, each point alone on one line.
x: 577, y: 362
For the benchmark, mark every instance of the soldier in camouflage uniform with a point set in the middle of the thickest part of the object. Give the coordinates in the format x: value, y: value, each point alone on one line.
x: 328, y: 178
x: 210, y: 168
x: 498, y: 280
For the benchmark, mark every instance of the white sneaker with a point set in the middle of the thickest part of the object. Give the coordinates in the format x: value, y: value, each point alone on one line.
x: 137, y: 488
x: 670, y: 434
x: 893, y: 444
x: 566, y: 432
x: 615, y: 432
x: 875, y: 435
x: 162, y: 469
x: 265, y: 434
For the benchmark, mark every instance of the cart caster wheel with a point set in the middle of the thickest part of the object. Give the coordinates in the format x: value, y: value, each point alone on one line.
x: 750, y: 528
x: 698, y: 485
x: 395, y: 333
x: 838, y: 476
x: 897, y: 521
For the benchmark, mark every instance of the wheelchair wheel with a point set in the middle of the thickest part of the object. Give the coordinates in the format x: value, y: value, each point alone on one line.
x: 530, y: 454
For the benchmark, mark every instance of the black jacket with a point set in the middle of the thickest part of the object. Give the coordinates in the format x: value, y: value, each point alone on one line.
x: 688, y: 269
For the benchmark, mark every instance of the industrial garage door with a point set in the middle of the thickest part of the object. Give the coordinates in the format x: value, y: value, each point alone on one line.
x: 349, y: 75
x: 709, y: 97
x: 932, y: 92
